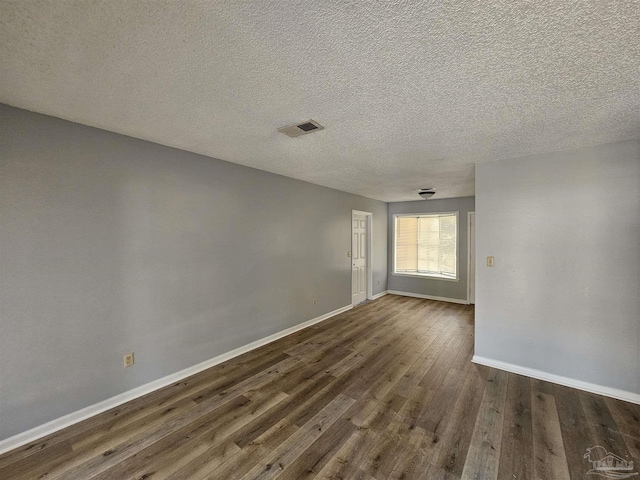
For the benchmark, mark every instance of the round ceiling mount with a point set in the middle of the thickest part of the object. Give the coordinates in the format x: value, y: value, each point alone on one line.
x: 427, y: 193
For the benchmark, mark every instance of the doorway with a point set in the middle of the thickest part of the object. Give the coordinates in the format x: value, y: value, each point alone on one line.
x: 471, y: 265
x: 361, y: 223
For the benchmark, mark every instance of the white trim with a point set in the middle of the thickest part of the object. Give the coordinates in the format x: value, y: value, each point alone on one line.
x: 566, y: 381
x: 378, y: 295
x: 87, y: 412
x: 469, y: 258
x: 428, y: 276
x: 428, y: 297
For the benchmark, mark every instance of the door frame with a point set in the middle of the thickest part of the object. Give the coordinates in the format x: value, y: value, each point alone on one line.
x: 469, y: 261
x: 369, y: 216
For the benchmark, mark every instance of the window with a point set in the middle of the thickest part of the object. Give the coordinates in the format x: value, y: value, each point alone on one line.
x: 426, y: 245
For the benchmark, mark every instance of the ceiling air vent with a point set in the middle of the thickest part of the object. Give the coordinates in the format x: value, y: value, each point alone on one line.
x: 301, y: 128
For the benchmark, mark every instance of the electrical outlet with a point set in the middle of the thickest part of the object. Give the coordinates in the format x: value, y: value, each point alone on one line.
x: 128, y: 359
x: 489, y: 261
x: 378, y: 282
x: 314, y: 302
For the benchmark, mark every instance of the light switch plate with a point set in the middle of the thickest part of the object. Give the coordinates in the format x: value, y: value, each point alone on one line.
x: 128, y: 359
x: 489, y: 261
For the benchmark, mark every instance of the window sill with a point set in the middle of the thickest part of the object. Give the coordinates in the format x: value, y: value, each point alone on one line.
x: 427, y: 277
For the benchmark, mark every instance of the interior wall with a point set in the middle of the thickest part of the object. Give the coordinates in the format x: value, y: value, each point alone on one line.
x: 109, y: 245
x: 564, y: 294
x: 429, y: 286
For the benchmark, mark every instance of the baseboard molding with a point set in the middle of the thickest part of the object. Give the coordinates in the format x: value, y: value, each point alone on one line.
x: 428, y: 297
x: 378, y: 295
x: 566, y: 381
x: 87, y: 412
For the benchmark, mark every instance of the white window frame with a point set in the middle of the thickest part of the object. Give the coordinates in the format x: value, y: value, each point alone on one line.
x: 430, y: 276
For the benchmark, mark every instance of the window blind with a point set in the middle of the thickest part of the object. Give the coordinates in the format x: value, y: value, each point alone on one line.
x: 426, y: 244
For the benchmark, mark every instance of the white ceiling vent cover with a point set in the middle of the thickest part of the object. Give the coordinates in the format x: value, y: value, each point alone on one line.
x: 303, y: 128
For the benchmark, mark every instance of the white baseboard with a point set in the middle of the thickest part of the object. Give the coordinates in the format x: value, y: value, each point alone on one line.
x: 378, y: 295
x: 566, y: 381
x: 87, y: 412
x: 428, y: 297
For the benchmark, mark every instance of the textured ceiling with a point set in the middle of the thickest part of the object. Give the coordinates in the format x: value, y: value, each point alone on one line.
x: 411, y: 93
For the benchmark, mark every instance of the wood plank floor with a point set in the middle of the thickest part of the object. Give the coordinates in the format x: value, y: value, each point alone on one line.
x: 384, y: 391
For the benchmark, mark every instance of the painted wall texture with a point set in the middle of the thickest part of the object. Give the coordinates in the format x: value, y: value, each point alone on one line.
x: 564, y: 294
x: 428, y: 286
x: 110, y: 244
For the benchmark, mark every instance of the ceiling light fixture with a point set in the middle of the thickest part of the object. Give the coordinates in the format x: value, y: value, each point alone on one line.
x: 427, y: 193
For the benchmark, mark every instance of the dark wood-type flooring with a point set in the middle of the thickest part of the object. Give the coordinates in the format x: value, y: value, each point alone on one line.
x: 384, y: 391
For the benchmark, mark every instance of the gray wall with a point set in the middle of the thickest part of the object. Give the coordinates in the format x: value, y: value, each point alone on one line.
x: 564, y: 295
x: 110, y: 244
x: 426, y: 286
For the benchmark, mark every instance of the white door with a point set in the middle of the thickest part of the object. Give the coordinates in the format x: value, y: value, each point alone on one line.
x: 358, y: 258
x: 472, y: 257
